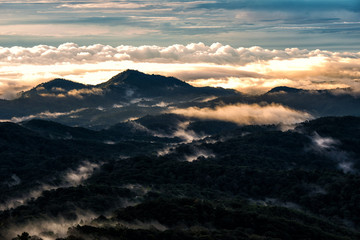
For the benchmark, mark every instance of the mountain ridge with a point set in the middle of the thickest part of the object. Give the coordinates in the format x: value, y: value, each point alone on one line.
x: 57, y: 85
x: 141, y: 80
x: 134, y: 94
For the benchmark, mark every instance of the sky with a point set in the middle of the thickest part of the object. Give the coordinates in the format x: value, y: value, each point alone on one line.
x: 249, y: 45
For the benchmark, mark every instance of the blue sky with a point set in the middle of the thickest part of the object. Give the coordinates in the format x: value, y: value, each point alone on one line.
x: 248, y: 45
x: 317, y: 24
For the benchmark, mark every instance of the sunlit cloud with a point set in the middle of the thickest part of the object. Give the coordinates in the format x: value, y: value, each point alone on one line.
x: 121, y: 5
x: 43, y: 115
x: 250, y: 70
x: 55, y: 30
x: 247, y: 114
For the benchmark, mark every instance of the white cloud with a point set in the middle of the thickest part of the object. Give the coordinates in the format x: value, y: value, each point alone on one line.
x: 80, y: 93
x: 191, y: 53
x: 83, y: 172
x: 248, y: 114
x: 198, y: 153
x: 44, y: 115
x: 328, y: 146
x: 70, y: 178
x: 54, y: 30
x: 111, y: 5
x: 324, y: 142
x: 249, y: 70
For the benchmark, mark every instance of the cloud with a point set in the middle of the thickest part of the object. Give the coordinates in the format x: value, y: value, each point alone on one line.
x: 121, y: 5
x: 282, y: 5
x: 80, y: 93
x: 83, y: 172
x: 42, y: 115
x: 50, y: 228
x: 198, y: 153
x: 251, y: 70
x: 72, y: 177
x: 192, y: 53
x: 324, y: 142
x: 53, y: 30
x: 247, y: 114
x: 328, y: 147
x: 273, y: 23
x: 32, y: 194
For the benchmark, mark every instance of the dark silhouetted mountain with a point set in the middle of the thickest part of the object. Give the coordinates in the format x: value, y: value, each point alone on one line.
x: 250, y: 181
x: 284, y: 89
x: 135, y: 83
x: 316, y: 102
x: 133, y: 94
x: 128, y: 94
x: 143, y: 81
x: 53, y: 130
x: 56, y: 86
x: 159, y: 175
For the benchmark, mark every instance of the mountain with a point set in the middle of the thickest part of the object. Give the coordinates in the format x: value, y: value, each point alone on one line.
x: 132, y: 94
x: 130, y: 83
x: 284, y: 89
x: 127, y: 95
x: 53, y: 130
x: 115, y: 161
x: 143, y: 82
x: 246, y: 182
x: 55, y: 87
x: 319, y: 103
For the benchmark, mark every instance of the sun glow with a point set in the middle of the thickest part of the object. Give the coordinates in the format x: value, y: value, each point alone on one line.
x: 249, y: 70
x: 290, y: 65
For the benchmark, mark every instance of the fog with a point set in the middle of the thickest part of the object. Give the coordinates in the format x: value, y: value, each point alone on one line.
x: 70, y: 178
x: 248, y: 114
x: 328, y: 147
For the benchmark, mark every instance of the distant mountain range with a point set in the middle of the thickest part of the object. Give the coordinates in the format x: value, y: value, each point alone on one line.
x: 133, y: 94
x: 124, y: 160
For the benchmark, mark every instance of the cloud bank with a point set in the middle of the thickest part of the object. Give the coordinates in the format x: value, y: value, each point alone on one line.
x: 71, y: 178
x: 251, y: 70
x: 247, y: 114
x: 43, y: 115
x: 216, y: 53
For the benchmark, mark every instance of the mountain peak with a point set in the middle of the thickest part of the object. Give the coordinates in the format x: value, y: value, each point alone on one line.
x: 144, y: 81
x: 284, y: 89
x: 57, y: 85
x: 64, y: 84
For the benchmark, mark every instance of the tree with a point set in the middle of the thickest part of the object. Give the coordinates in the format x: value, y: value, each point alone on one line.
x: 23, y: 236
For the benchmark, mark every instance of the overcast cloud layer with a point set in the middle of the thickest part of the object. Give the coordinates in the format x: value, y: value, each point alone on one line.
x: 324, y: 24
x: 251, y: 70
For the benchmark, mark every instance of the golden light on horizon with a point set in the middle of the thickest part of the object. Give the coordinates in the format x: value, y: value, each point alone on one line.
x: 253, y: 72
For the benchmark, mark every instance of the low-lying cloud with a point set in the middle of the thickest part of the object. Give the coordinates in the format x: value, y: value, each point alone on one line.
x: 43, y: 115
x: 72, y: 177
x: 251, y: 70
x: 199, y: 153
x: 83, y: 172
x: 248, y: 114
x: 328, y: 147
x: 50, y: 228
x: 191, y: 53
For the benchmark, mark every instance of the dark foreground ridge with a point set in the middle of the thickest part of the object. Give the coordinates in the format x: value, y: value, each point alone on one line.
x: 250, y: 182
